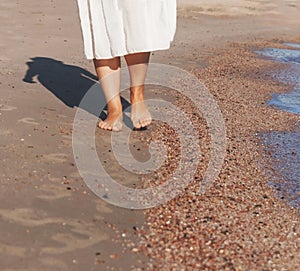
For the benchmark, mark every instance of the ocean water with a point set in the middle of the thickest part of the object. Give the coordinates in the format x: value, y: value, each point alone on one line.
x: 284, y: 150
x: 287, y: 101
x: 284, y: 147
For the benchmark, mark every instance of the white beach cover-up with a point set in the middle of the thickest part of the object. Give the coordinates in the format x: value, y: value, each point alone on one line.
x: 113, y: 28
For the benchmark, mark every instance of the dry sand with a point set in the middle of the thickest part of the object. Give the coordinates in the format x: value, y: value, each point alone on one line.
x: 49, y: 220
x: 241, y: 7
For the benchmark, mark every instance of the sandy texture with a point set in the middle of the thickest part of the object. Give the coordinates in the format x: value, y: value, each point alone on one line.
x: 49, y: 220
x: 241, y: 7
x: 238, y: 224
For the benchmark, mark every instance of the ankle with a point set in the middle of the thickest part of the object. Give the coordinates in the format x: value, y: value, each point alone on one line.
x: 137, y: 93
x: 114, y: 108
x: 114, y: 111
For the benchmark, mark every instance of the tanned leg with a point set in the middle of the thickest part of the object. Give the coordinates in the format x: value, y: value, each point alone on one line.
x: 109, y: 74
x: 137, y: 66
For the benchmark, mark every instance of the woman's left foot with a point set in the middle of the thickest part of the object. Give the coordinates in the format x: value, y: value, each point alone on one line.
x: 140, y: 115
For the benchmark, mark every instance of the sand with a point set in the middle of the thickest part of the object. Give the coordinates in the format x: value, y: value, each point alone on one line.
x: 241, y: 7
x: 50, y: 220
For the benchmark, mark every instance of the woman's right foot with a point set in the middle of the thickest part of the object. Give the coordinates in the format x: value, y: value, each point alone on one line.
x: 140, y: 115
x: 113, y: 122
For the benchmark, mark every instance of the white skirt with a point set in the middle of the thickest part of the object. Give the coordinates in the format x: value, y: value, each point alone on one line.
x: 113, y: 28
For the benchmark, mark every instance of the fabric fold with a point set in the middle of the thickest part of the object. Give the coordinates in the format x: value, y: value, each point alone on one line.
x: 113, y: 28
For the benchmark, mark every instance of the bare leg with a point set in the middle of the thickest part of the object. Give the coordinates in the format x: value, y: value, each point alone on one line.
x: 109, y: 74
x: 137, y: 66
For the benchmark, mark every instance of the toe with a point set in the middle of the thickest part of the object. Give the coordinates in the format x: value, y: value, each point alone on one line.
x: 116, y: 129
x: 108, y: 127
x: 143, y: 123
x: 137, y: 126
x: 146, y: 122
x: 149, y: 121
x: 101, y: 124
x: 117, y: 126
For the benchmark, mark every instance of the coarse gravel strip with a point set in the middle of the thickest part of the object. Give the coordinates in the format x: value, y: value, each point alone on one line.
x: 238, y: 224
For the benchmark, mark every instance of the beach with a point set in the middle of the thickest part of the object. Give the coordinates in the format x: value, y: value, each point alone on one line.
x: 51, y: 220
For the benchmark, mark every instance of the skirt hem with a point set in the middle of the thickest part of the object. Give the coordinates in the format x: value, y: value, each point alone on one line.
x: 90, y: 57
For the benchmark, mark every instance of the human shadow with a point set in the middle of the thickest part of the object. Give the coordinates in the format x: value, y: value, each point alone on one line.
x: 68, y: 83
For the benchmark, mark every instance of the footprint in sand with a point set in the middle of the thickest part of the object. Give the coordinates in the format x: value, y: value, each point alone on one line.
x: 28, y: 121
x: 12, y: 250
x: 75, y: 235
x: 5, y: 107
x: 56, y: 157
x: 67, y: 140
x: 53, y: 192
x: 54, y: 263
x: 5, y: 132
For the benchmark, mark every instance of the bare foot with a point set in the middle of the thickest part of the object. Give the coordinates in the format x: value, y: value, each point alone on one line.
x: 140, y: 116
x: 113, y: 122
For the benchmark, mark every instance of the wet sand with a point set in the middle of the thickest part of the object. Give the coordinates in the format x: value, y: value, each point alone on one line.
x: 50, y: 220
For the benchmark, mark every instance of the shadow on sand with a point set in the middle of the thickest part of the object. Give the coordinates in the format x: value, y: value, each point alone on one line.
x: 67, y: 82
